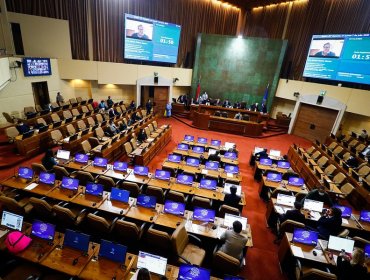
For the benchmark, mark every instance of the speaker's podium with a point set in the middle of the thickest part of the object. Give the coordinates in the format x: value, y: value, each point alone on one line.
x: 201, y: 120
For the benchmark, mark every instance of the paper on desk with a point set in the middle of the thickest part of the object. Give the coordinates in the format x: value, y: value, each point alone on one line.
x: 279, y: 210
x: 297, y: 251
x: 345, y: 221
x: 204, y: 171
x: 31, y: 186
x: 229, y: 175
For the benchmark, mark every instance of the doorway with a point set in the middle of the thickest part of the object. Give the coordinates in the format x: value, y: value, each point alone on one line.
x: 159, y: 96
x: 41, y: 94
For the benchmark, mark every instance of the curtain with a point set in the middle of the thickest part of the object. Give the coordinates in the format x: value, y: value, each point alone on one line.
x: 75, y: 11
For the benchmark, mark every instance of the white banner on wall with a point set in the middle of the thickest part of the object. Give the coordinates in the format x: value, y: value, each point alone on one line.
x: 4, y: 72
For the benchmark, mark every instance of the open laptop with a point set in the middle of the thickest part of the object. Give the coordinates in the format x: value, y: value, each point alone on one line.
x: 365, y: 216
x: 11, y: 220
x: 146, y: 201
x: 81, y: 158
x: 274, y: 153
x: 120, y: 166
x: 233, y: 169
x: 69, y: 183
x: 43, y: 230
x: 63, y: 154
x: 174, y: 158
x: 229, y: 145
x: 287, y: 200
x: 338, y: 244
x: 189, y: 138
x: 204, y: 215
x: 25, y: 173
x: 346, y: 211
x: 297, y: 182
x: 100, y: 162
x: 367, y: 251
x: 119, y: 195
x: 304, y: 236
x: 216, y: 143
x: 198, y: 149
x: 162, y: 174
x: 47, y: 178
x: 283, y: 164
x: 202, y: 140
x: 313, y: 205
x: 185, y: 179
x: 155, y: 264
x: 193, y: 272
x: 227, y: 188
x: 183, y: 147
x: 230, y: 219
x: 209, y: 184
x: 192, y: 161
x: 230, y: 155
x: 94, y: 189
x: 76, y: 240
x: 274, y: 177
x: 266, y: 161
x: 258, y: 150
x: 141, y: 170
x: 212, y: 165
x: 112, y: 251
x: 175, y: 208
x: 230, y: 277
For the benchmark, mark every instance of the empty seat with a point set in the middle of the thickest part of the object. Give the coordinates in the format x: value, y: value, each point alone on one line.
x: 71, y: 129
x: 246, y: 117
x: 67, y: 114
x: 75, y: 112
x: 99, y: 118
x: 337, y: 150
x: 224, y: 114
x: 176, y: 196
x: 42, y: 209
x: 218, y: 114
x: 158, y: 241
x: 41, y: 121
x: 84, y: 177
x: 86, y: 147
x: 57, y: 137
x: 99, y: 226
x: 347, y: 188
x: 37, y: 168
x: 156, y: 192
x: 229, y: 210
x: 133, y: 188
x: 202, y: 202
x: 332, y: 146
x: 316, y: 155
x: 128, y: 233
x: 81, y: 125
x: 12, y: 205
x: 322, y: 162
x: 339, y: 178
x: 69, y: 217
x: 11, y: 133
x: 90, y: 121
x: 329, y: 170
x: 107, y: 182
x: 60, y: 172
x: 55, y: 117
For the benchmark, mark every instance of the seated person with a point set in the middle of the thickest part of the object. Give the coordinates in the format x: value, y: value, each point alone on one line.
x: 112, y: 129
x: 215, y: 156
x: 319, y: 194
x: 135, y: 117
x: 264, y: 108
x: 132, y: 105
x: 254, y: 107
x: 294, y: 214
x: 238, y: 116
x: 102, y: 105
x: 363, y: 135
x: 48, y: 161
x: 262, y: 154
x: 122, y: 126
x: 352, y: 267
x: 330, y: 223
x: 110, y: 102
x: 141, y: 137
x: 352, y: 162
x: 237, y: 105
x: 226, y: 103
x: 234, y: 242
x: 22, y: 127
x: 232, y: 199
x: 111, y: 113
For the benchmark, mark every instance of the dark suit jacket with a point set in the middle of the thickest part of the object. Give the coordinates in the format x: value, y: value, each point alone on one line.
x: 348, y: 272
x: 232, y: 200
x: 329, y: 226
x: 294, y: 215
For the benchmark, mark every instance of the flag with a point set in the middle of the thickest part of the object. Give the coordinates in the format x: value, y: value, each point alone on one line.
x: 265, y: 96
x: 197, y: 94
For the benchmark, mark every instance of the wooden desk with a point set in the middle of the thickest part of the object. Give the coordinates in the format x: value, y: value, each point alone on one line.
x: 144, y: 214
x: 160, y: 183
x: 240, y: 127
x: 118, y: 175
x: 89, y: 200
x: 270, y: 168
x: 283, y: 185
x: 188, y: 189
x: 116, y: 207
x: 64, y: 194
x: 138, y: 179
x: 28, y: 186
x: 231, y: 177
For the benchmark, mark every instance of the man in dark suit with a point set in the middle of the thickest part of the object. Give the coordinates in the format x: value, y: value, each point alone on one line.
x: 330, y: 223
x: 226, y: 103
x: 22, y: 127
x: 320, y: 194
x: 294, y: 214
x: 232, y: 199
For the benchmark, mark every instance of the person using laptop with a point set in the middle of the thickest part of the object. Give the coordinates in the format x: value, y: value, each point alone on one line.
x: 48, y: 161
x: 22, y: 127
x: 330, y: 223
x: 141, y: 274
x: 233, y: 242
x: 215, y: 156
x: 352, y: 267
x: 232, y: 199
x: 294, y: 214
x: 319, y: 194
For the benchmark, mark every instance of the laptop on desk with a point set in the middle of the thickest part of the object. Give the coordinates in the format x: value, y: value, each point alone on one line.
x: 190, y: 161
x: 274, y: 177
x: 198, y: 149
x: 183, y: 147
x: 212, y: 165
x: 175, y: 208
x: 47, y: 178
x: 162, y: 175
x: 208, y: 184
x: 266, y: 161
x: 232, y: 169
x: 297, y: 182
x: 174, y: 158
x: 193, y: 272
x: 230, y: 219
x: 146, y: 201
x: 204, y: 215
x: 365, y: 216
x: 189, y: 138
x: 216, y: 143
x: 307, y: 237
x: 81, y: 158
x: 367, y: 251
x: 120, y: 166
x: 63, y: 155
x: 112, y: 251
x: 346, y: 211
x: 141, y: 170
x: 25, y: 173
x: 100, y: 162
x: 69, y: 183
x: 287, y: 200
x: 12, y: 221
x: 76, y: 240
x: 283, y: 164
x: 94, y: 189
x: 43, y: 230
x: 274, y: 153
x: 185, y: 179
x: 155, y: 264
x: 230, y: 155
x: 119, y: 195
x: 229, y: 145
x: 338, y: 244
x: 202, y: 140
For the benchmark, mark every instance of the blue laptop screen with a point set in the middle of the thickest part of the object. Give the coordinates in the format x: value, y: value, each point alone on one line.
x: 146, y: 201
x: 212, y: 165
x: 365, y: 216
x: 208, y: 184
x: 274, y: 177
x: 162, y: 174
x: 25, y: 173
x: 192, y: 162
x: 192, y: 272
x: 346, y: 211
x: 283, y: 164
x: 76, y: 240
x: 174, y: 158
x: 175, y: 208
x: 141, y: 170
x: 43, y: 230
x: 202, y: 140
x: 70, y: 183
x: 293, y: 181
x: 120, y: 166
x: 94, y: 189
x: 47, y: 178
x: 367, y: 251
x: 198, y: 149
x: 100, y: 162
x: 81, y: 158
x: 183, y: 147
x: 266, y: 161
x: 185, y: 179
x: 112, y: 251
x: 230, y: 155
x: 204, y: 215
x: 216, y: 143
x: 189, y: 138
x: 119, y: 195
x: 304, y: 236
x: 231, y: 169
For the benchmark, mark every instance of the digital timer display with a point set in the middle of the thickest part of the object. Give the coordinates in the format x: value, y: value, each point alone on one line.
x: 339, y: 57
x: 151, y: 40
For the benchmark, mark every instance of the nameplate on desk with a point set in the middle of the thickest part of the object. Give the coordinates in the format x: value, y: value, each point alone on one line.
x: 204, y: 171
x: 31, y: 186
x: 345, y: 221
x: 229, y: 175
x: 297, y: 251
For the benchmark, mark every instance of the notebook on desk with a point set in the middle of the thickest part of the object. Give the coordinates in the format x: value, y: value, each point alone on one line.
x: 141, y: 170
x: 209, y: 184
x: 204, y: 215
x: 229, y: 145
x: 212, y: 165
x: 81, y: 158
x: 25, y: 173
x: 43, y: 230
x: 313, y: 205
x: 174, y: 158
x: 307, y: 237
x: 146, y: 201
x: 11, y: 220
x: 94, y: 189
x: 47, y: 178
x: 155, y: 264
x: 112, y: 251
x: 162, y: 174
x: 76, y: 240
x: 346, y: 211
x: 287, y: 200
x: 120, y: 166
x: 185, y: 179
x: 193, y: 272
x: 365, y: 216
x: 202, y: 140
x: 338, y: 244
x: 274, y: 153
x: 100, y: 162
x: 70, y: 183
x: 192, y: 161
x: 119, y: 195
x: 175, y: 208
x: 230, y: 219
x: 274, y: 177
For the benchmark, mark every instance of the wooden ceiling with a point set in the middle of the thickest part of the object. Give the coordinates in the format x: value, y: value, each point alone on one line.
x: 249, y: 4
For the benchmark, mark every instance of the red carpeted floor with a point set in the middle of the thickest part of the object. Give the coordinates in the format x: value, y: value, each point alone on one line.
x: 262, y: 261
